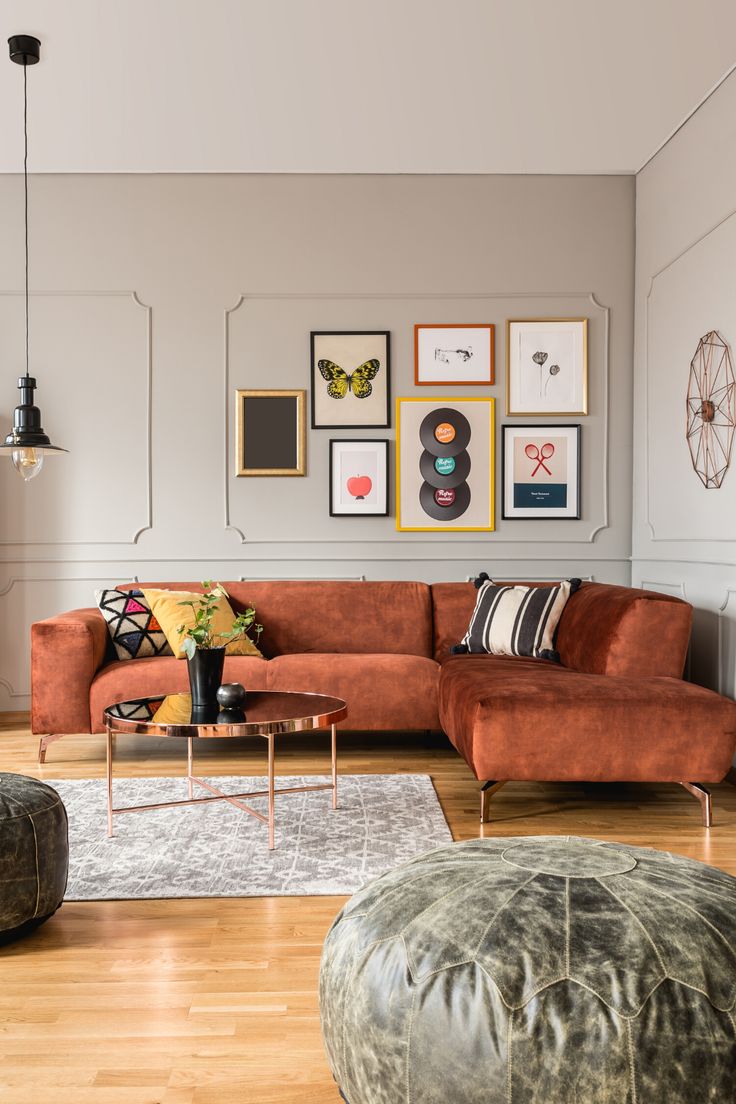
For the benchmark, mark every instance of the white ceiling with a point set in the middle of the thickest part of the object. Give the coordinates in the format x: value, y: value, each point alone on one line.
x: 421, y: 86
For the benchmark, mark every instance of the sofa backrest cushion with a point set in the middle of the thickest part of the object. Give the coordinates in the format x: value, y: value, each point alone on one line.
x: 315, y: 615
x: 615, y: 630
x: 604, y: 629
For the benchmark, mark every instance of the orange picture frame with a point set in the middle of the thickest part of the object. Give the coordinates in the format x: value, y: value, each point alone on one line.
x: 454, y: 351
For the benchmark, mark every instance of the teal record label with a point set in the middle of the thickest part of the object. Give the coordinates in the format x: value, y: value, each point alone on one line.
x: 445, y: 465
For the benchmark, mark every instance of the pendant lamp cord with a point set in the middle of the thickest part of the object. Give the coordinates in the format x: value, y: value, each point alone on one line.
x: 25, y: 191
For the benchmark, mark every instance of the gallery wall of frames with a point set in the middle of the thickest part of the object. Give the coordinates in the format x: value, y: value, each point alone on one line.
x: 445, y: 456
x: 317, y: 377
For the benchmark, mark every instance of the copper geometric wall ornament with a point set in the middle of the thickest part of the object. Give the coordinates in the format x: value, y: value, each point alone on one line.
x: 711, y: 409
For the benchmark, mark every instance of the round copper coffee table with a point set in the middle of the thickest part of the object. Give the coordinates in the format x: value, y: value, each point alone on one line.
x: 268, y: 713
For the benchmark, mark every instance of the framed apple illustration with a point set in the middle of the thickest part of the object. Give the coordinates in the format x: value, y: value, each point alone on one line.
x: 360, y: 486
x: 358, y: 478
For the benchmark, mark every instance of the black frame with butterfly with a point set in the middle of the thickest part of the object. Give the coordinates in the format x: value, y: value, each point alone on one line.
x: 356, y: 380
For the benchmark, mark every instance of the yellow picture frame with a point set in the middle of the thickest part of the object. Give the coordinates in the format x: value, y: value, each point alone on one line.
x: 409, y: 450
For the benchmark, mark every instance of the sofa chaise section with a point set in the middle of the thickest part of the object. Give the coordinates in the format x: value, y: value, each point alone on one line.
x: 615, y: 708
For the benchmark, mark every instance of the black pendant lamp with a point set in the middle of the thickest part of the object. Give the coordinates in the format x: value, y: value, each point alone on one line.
x: 27, y: 442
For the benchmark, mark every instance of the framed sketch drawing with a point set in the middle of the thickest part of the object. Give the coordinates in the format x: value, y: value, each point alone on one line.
x: 445, y: 465
x: 547, y: 366
x: 358, y: 478
x: 270, y: 432
x: 541, y: 471
x: 351, y: 385
x: 453, y: 356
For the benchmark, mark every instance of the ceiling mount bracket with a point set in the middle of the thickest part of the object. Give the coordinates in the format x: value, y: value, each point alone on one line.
x: 24, y: 49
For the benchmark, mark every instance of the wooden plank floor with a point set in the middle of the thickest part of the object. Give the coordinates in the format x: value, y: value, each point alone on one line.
x: 214, y: 1001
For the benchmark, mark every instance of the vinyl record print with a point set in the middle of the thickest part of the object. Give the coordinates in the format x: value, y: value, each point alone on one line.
x: 442, y: 430
x: 445, y: 432
x: 444, y: 504
x: 444, y: 472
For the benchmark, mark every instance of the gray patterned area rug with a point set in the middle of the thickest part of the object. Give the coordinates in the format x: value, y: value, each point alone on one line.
x: 218, y: 851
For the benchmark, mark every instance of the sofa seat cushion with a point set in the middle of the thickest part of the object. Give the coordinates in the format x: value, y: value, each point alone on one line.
x: 141, y: 678
x: 513, y: 718
x: 383, y: 692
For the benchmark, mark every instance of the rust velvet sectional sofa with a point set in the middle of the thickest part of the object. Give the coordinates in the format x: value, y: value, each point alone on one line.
x: 615, y: 709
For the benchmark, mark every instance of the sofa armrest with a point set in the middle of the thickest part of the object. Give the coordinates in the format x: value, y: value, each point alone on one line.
x: 66, y: 653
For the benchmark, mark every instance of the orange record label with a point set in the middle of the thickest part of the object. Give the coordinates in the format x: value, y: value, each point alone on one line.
x: 445, y: 433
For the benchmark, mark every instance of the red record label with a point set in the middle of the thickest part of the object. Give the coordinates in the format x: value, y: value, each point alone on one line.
x: 444, y: 496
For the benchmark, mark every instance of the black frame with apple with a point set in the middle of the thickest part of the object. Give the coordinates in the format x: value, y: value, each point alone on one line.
x: 381, y: 512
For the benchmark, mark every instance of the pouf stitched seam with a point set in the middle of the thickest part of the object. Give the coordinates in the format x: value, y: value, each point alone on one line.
x: 704, y: 920
x: 417, y: 978
x: 428, y: 875
x: 30, y: 790
x: 351, y: 979
x: 38, y: 875
x: 36, y: 812
x: 30, y: 816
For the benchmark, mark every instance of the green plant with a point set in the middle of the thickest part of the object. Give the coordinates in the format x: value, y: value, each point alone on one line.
x: 200, y: 634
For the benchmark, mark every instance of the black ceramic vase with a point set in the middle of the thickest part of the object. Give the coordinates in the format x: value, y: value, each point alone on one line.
x: 205, y: 675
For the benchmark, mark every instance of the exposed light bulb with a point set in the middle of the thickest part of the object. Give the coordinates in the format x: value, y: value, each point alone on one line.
x: 27, y: 461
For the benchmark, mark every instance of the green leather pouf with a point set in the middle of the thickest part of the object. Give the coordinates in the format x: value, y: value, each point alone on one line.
x: 535, y: 970
x: 34, y: 854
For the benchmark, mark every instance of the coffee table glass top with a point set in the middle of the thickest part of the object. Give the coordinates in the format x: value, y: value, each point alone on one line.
x: 266, y: 711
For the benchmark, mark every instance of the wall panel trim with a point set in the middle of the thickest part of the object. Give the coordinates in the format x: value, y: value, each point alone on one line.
x: 590, y: 296
x: 647, y: 479
x: 148, y: 523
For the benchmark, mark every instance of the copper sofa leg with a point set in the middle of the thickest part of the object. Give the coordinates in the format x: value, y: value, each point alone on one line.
x: 488, y: 789
x: 703, y: 796
x: 44, y: 743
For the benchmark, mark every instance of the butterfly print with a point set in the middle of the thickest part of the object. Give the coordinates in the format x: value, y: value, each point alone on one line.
x: 339, y: 382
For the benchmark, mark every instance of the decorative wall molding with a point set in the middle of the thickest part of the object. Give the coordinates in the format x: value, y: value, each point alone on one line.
x: 676, y: 589
x: 723, y: 621
x: 301, y: 578
x: 647, y: 481
x: 16, y: 580
x: 590, y: 296
x: 468, y: 554
x: 148, y: 523
x: 681, y: 560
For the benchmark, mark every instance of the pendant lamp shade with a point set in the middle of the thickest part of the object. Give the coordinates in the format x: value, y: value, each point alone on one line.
x: 27, y: 444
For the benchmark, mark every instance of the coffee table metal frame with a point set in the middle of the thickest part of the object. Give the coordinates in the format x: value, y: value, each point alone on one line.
x: 268, y: 730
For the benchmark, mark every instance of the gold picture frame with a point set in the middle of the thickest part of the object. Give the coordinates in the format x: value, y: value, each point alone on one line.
x: 561, y: 362
x: 443, y: 423
x: 271, y: 432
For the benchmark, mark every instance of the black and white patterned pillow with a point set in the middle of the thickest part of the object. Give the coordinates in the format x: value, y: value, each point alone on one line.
x: 516, y: 620
x: 133, y: 629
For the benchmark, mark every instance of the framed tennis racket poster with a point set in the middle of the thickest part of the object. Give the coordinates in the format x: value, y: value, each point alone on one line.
x: 351, y: 385
x: 445, y: 465
x: 541, y: 471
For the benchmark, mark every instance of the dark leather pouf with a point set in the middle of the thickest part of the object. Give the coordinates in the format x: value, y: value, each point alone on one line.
x: 535, y: 970
x: 34, y: 854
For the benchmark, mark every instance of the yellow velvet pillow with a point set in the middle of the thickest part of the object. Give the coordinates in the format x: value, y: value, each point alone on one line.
x: 170, y: 615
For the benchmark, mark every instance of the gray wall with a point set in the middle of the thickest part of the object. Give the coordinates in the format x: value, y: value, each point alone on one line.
x: 684, y: 536
x: 159, y: 295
